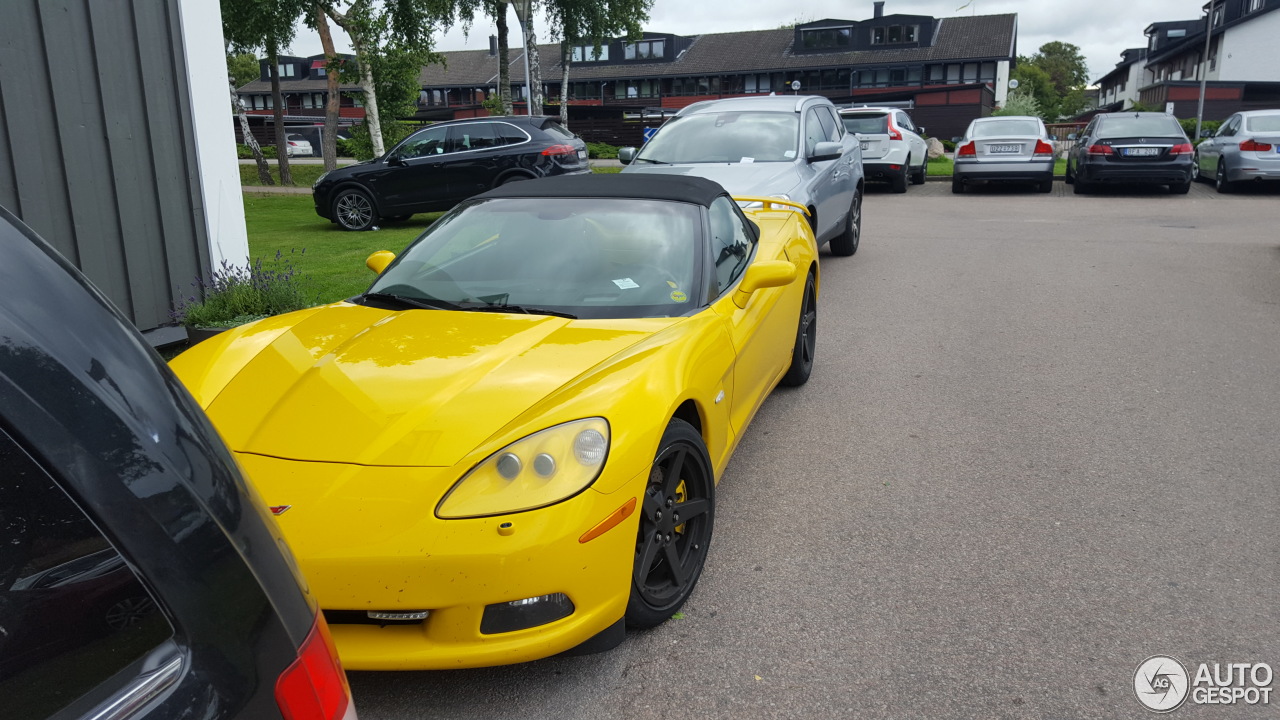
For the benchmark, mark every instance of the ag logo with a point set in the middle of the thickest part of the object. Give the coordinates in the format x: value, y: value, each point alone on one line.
x: 1161, y: 683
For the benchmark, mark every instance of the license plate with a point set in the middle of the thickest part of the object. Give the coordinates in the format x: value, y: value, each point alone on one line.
x: 1004, y: 149
x: 582, y: 154
x: 1140, y: 152
x: 866, y: 146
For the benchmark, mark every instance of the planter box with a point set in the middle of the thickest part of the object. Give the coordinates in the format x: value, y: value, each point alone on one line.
x: 198, y: 335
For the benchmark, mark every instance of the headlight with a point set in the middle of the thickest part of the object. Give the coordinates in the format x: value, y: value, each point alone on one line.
x: 323, y: 175
x: 538, y: 470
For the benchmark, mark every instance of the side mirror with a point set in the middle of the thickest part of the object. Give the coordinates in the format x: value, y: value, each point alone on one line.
x: 826, y: 151
x: 1072, y: 136
x: 764, y: 274
x: 956, y: 139
x: 396, y: 161
x: 626, y: 155
x: 920, y: 130
x: 379, y: 261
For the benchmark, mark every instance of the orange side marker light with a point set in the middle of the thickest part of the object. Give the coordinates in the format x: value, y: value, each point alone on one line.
x: 609, y: 523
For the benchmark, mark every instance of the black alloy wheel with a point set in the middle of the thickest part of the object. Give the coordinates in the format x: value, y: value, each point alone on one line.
x: 846, y: 243
x: 806, y: 338
x: 354, y: 210
x: 1220, y: 181
x: 676, y: 520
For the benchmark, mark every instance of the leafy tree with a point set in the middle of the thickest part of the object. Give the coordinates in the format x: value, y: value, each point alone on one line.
x: 1019, y: 102
x: 243, y: 67
x: 1056, y: 77
x: 1064, y: 64
x: 591, y: 21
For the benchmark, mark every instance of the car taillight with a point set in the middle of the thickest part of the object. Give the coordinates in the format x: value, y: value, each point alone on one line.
x: 968, y: 149
x: 1043, y: 148
x: 314, y: 687
x: 560, y: 150
x: 1182, y: 149
x: 894, y: 133
x: 1254, y: 146
x: 1101, y: 150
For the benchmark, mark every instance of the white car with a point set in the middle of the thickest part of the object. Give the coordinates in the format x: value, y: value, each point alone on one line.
x: 892, y: 149
x: 297, y: 146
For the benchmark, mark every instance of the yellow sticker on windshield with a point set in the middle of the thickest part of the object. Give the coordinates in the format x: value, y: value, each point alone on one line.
x: 679, y: 296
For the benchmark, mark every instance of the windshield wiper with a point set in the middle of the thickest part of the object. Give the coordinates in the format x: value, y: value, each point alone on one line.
x: 526, y: 309
x: 413, y: 302
x: 650, y: 160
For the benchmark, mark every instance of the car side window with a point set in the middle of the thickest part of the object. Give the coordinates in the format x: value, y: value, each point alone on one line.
x: 830, y: 114
x: 425, y: 143
x: 1229, y: 129
x: 829, y: 133
x: 72, y: 611
x: 813, y: 131
x: 905, y: 122
x: 472, y: 136
x: 509, y: 134
x: 731, y: 242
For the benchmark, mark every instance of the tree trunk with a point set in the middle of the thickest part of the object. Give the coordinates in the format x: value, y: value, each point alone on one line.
x: 566, y: 55
x: 504, y: 56
x: 371, y: 120
x: 264, y: 172
x: 535, y: 70
x: 329, y: 141
x: 282, y: 144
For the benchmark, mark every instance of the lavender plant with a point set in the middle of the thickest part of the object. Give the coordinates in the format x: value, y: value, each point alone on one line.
x: 236, y: 294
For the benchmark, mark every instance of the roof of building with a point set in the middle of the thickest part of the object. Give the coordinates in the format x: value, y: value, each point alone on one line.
x: 1128, y: 58
x: 977, y: 37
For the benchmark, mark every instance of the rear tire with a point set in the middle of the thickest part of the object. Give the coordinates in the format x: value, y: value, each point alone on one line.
x: 806, y: 338
x: 898, y: 183
x: 1180, y: 188
x: 846, y: 243
x: 1220, y: 181
x: 917, y: 176
x: 1046, y: 186
x: 1080, y: 187
x: 670, y: 549
x: 957, y: 186
x: 1068, y: 178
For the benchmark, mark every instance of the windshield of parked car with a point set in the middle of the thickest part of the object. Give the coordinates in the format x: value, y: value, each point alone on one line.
x: 1263, y: 123
x: 1002, y: 128
x: 1139, y: 126
x: 591, y: 258
x: 725, y: 137
x: 868, y: 124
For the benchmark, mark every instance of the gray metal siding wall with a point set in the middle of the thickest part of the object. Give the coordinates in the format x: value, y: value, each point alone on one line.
x: 97, y: 147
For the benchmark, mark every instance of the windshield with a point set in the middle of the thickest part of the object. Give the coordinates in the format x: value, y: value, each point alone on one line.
x: 1263, y: 123
x: 592, y: 258
x: 1000, y: 128
x: 871, y: 124
x: 1122, y: 127
x: 727, y: 137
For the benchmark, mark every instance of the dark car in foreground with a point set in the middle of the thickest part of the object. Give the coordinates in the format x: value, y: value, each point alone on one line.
x: 1132, y: 147
x: 443, y: 164
x: 1006, y: 148
x: 140, y: 577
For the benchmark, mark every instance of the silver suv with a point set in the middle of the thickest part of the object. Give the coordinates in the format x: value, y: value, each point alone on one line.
x: 892, y: 149
x: 790, y: 147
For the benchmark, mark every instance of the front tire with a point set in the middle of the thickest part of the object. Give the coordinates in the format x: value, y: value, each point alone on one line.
x: 354, y: 210
x: 846, y: 243
x: 676, y: 520
x: 802, y: 353
x: 898, y: 183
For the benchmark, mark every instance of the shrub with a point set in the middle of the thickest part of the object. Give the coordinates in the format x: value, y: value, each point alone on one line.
x: 948, y: 144
x: 344, y: 148
x: 235, y: 295
x: 597, y: 150
x: 361, y: 145
x: 1207, y: 127
x: 244, y: 153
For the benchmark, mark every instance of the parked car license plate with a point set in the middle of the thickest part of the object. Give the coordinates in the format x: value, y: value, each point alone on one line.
x: 1004, y: 148
x: 1140, y: 152
x: 582, y: 154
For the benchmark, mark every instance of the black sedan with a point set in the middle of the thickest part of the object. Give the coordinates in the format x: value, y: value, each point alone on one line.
x: 441, y: 165
x: 139, y: 575
x: 1132, y: 147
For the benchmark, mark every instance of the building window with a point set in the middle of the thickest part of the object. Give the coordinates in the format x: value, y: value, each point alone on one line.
x: 897, y: 77
x: 987, y: 73
x: 284, y: 70
x: 971, y: 72
x: 756, y: 83
x: 1177, y: 33
x: 1217, y: 16
x: 320, y: 72
x: 953, y: 73
x: 895, y: 34
x: 645, y: 50
x: 1254, y: 5
x: 589, y: 53
x: 826, y: 38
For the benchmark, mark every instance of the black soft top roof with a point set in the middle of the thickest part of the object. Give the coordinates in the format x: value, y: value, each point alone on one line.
x: 680, y: 188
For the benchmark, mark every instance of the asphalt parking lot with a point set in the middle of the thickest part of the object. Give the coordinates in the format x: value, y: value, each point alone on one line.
x: 1039, y: 446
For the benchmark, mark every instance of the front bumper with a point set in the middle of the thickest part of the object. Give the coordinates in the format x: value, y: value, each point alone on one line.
x: 367, y: 539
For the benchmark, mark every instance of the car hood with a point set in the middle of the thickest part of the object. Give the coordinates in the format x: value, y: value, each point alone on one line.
x: 771, y: 178
x: 361, y: 385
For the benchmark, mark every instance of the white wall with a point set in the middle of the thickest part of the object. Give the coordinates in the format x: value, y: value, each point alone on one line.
x: 215, y: 140
x: 1249, y: 51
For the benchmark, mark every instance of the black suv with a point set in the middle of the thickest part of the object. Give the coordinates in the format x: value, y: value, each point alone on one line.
x: 441, y: 165
x: 139, y: 576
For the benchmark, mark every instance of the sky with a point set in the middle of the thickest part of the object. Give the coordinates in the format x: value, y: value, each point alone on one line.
x: 1100, y: 28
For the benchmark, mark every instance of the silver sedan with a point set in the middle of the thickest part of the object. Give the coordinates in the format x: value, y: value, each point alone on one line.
x: 1245, y: 148
x: 1005, y: 148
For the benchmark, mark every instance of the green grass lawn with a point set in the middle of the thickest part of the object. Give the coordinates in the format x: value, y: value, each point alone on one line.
x: 303, y: 175
x: 332, y: 265
x: 944, y: 167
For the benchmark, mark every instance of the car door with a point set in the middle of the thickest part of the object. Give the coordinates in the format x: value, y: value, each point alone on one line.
x: 1083, y: 141
x: 763, y: 333
x: 919, y: 149
x: 1211, y: 149
x: 414, y: 180
x: 476, y: 156
x: 832, y: 180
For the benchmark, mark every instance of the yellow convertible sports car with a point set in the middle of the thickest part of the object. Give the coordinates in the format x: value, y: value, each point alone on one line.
x: 508, y: 447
